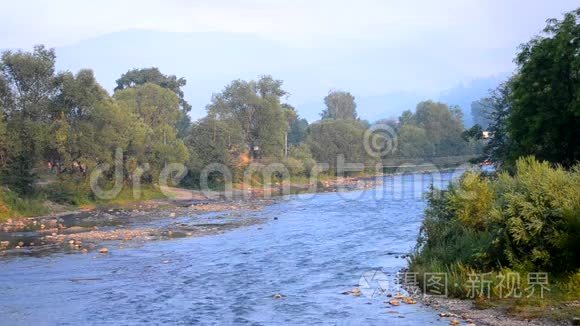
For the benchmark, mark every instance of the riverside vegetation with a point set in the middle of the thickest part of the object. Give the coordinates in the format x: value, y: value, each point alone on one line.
x: 56, y: 127
x: 526, y: 217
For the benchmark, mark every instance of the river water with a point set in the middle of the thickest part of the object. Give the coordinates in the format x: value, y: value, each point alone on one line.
x: 318, y: 247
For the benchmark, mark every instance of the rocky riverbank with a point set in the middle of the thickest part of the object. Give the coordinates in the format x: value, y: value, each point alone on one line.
x: 461, y: 311
x: 153, y: 220
x: 185, y: 213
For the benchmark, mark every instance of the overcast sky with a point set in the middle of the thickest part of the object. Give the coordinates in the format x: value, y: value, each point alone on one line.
x: 428, y: 46
x: 307, y: 23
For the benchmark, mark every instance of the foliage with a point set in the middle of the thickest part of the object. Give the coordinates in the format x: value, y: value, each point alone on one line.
x: 12, y: 205
x: 254, y: 108
x: 540, y: 207
x: 57, y: 127
x: 330, y: 139
x: 539, y: 106
x: 136, y: 77
x: 435, y: 129
x: 340, y: 106
x: 28, y: 87
x: 527, y: 222
x: 546, y: 94
x: 480, y: 114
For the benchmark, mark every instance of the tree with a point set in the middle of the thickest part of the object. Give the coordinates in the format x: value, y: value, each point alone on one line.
x: 499, y: 110
x: 27, y: 90
x: 255, y: 108
x: 443, y: 127
x: 298, y: 130
x: 414, y: 142
x: 544, y: 119
x: 331, y: 138
x: 5, y: 143
x: 339, y: 106
x: 215, y: 141
x: 406, y: 118
x: 136, y: 77
x: 297, y: 126
x: 158, y: 110
x: 72, y: 122
x: 480, y: 114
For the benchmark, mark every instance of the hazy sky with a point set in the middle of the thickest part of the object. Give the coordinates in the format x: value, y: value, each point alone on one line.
x: 476, y: 24
x: 421, y: 47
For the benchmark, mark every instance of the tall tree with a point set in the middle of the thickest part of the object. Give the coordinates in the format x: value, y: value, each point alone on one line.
x: 330, y: 138
x: 339, y: 106
x: 255, y: 107
x: 498, y: 148
x: 443, y: 127
x: 72, y: 114
x: 480, y: 114
x: 28, y: 88
x: 158, y: 109
x: 152, y: 75
x: 545, y: 115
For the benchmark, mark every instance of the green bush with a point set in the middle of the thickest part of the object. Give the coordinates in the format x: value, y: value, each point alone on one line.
x: 12, y: 205
x: 527, y: 222
x: 540, y: 211
x: 68, y: 191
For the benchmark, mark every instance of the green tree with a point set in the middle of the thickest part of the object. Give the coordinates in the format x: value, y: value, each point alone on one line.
x: 255, y: 108
x: 28, y: 89
x: 339, y: 105
x: 545, y: 94
x: 158, y: 110
x: 480, y: 114
x: 443, y: 127
x: 215, y: 141
x: 136, y: 77
x: 5, y: 144
x: 499, y: 109
x: 414, y: 142
x: 72, y: 149
x: 330, y: 138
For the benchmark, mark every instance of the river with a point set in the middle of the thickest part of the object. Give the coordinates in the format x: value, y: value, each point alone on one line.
x: 318, y: 247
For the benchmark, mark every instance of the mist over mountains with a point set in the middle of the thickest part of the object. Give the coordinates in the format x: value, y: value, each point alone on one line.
x: 383, y: 84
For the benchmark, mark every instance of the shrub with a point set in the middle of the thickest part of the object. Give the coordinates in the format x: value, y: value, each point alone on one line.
x: 68, y: 191
x: 527, y: 222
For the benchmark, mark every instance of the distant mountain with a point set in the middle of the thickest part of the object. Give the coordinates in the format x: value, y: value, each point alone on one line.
x: 464, y: 94
x: 209, y: 61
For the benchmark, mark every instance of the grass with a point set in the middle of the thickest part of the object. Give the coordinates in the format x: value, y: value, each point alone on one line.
x: 59, y: 197
x: 12, y: 206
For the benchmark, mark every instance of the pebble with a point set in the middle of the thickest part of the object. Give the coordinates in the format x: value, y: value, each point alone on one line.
x: 104, y: 251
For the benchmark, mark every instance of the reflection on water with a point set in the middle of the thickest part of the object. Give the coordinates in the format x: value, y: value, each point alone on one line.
x: 319, y: 247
